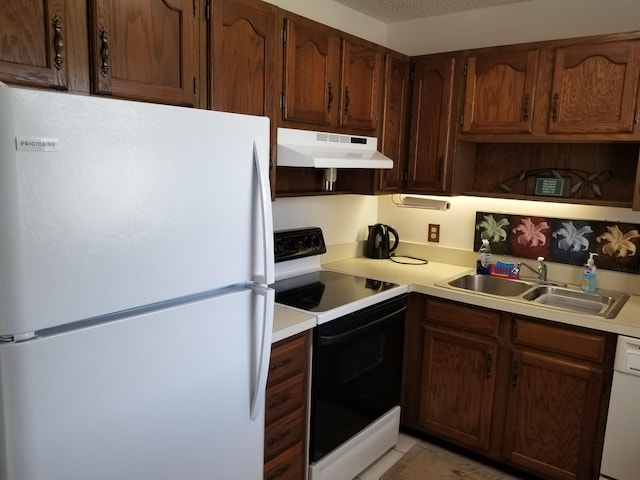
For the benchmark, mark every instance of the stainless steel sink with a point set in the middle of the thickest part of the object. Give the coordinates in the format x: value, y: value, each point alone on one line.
x: 503, y: 287
x: 602, y: 303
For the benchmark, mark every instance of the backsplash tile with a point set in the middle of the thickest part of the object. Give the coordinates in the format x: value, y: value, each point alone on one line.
x: 561, y: 240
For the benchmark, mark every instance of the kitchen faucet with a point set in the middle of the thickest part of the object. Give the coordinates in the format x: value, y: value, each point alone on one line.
x: 541, y: 272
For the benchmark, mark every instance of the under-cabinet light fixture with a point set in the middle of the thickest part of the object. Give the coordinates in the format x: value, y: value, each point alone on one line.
x: 419, y: 201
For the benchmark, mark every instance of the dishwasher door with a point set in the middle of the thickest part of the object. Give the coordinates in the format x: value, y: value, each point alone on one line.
x: 620, y: 456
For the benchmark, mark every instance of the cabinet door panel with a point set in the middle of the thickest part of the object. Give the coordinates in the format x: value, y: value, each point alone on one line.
x: 550, y: 428
x: 361, y: 79
x: 458, y: 384
x: 430, y: 130
x: 244, y: 58
x: 395, y: 123
x: 594, y: 88
x: 310, y: 74
x: 32, y: 43
x: 145, y: 50
x: 500, y: 91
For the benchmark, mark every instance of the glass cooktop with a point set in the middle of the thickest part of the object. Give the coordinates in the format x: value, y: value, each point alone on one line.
x: 323, y: 290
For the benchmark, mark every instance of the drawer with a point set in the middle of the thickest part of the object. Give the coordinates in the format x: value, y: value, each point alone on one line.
x: 289, y: 465
x: 288, y: 357
x: 472, y: 319
x: 283, y: 433
x: 283, y: 397
x: 576, y: 342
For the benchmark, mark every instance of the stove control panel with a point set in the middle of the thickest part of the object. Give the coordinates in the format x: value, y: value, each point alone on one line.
x: 297, y: 243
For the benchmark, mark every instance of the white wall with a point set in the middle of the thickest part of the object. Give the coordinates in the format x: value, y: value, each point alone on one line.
x: 530, y: 21
x: 343, y: 218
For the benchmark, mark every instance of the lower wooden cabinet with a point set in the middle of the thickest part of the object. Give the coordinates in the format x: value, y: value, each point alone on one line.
x: 286, y: 409
x: 529, y: 393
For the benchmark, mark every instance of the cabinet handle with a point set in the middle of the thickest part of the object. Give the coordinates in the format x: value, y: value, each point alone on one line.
x: 636, y: 117
x: 282, y: 401
x: 525, y: 107
x: 105, y: 53
x: 58, y: 43
x: 272, y: 441
x: 514, y: 374
x: 278, y: 473
x: 440, y: 168
x: 554, y: 108
x: 283, y: 363
x: 489, y: 364
x: 346, y: 100
x: 330, y: 97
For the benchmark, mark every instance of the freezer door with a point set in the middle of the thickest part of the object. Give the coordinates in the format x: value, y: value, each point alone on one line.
x: 107, y: 205
x: 164, y: 395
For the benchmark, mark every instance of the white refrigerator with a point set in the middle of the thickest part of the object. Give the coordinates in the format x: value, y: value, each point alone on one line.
x: 136, y: 249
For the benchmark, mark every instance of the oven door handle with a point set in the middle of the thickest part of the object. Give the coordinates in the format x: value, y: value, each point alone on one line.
x: 331, y: 339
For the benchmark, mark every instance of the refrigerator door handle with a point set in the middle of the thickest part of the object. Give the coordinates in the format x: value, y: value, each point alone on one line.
x: 265, y: 323
x: 267, y: 276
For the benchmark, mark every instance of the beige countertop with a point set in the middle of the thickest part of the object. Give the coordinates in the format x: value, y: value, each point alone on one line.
x: 423, y: 279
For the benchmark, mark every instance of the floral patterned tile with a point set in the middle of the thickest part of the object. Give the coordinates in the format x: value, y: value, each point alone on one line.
x: 561, y: 240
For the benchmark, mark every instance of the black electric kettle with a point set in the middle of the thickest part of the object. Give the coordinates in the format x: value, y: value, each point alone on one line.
x: 378, y: 243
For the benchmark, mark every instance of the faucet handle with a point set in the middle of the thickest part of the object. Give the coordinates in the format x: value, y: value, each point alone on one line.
x: 540, y: 259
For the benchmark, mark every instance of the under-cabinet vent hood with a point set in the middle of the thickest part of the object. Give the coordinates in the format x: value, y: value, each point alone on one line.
x: 305, y: 148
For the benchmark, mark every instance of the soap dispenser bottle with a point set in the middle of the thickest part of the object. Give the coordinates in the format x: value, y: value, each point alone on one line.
x: 483, y: 263
x: 589, y: 275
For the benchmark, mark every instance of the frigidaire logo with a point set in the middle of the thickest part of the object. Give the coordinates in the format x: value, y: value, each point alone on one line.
x: 37, y: 144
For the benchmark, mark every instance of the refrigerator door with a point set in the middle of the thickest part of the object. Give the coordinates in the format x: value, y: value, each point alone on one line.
x: 107, y: 205
x: 162, y: 395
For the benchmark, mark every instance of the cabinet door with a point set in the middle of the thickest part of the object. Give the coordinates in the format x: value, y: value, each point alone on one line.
x: 33, y: 35
x: 550, y: 427
x: 594, y: 88
x: 243, y: 57
x: 145, y: 50
x: 311, y: 80
x: 430, y: 131
x: 395, y: 121
x: 500, y: 92
x: 458, y: 385
x: 361, y: 74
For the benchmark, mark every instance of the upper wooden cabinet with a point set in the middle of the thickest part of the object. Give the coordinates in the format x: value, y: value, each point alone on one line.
x: 145, y: 50
x: 500, y: 91
x: 331, y: 80
x: 565, y: 90
x: 44, y: 44
x: 311, y: 73
x: 594, y: 88
x: 243, y: 57
x: 396, y: 106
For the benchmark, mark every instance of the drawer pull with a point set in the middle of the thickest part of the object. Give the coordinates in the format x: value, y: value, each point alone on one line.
x: 272, y: 441
x: 105, y: 53
x: 58, y: 43
x: 282, y: 401
x: 278, y: 473
x: 283, y: 363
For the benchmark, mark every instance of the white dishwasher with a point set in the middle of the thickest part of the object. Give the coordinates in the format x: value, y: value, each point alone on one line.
x: 621, y: 453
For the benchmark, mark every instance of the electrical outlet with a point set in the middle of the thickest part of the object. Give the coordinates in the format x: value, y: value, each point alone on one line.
x: 434, y: 233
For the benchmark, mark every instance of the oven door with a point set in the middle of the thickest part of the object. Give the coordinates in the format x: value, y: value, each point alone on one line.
x: 357, y: 369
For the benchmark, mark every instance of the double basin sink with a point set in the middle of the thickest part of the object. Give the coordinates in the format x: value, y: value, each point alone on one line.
x: 602, y: 303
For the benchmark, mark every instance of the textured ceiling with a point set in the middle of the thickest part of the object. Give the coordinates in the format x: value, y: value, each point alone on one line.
x: 390, y: 11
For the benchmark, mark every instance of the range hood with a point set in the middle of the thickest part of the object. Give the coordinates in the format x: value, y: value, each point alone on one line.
x: 305, y: 148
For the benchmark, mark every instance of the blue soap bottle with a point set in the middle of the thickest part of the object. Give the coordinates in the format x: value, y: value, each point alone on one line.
x: 589, y: 275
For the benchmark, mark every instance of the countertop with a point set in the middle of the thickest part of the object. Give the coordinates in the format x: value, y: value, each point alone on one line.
x: 423, y: 279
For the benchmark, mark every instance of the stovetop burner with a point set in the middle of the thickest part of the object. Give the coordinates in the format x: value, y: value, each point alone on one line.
x: 325, y: 290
